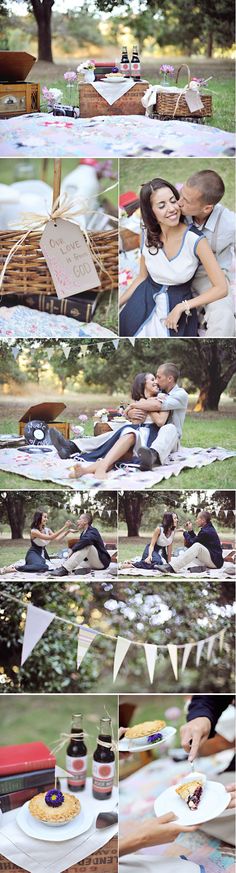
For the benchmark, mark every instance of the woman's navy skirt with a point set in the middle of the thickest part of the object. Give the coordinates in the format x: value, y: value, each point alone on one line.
x: 101, y: 451
x: 139, y: 308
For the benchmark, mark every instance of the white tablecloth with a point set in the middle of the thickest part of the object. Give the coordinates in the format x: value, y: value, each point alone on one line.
x: 38, y: 856
x: 112, y: 91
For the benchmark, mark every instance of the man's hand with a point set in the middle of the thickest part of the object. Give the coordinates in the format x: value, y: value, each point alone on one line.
x: 189, y: 525
x: 134, y: 414
x: 194, y: 734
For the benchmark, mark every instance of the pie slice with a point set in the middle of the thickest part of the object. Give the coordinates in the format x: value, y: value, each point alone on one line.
x: 191, y: 792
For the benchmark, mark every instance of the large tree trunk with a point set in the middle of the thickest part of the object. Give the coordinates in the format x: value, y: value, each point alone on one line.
x: 210, y: 43
x: 133, y: 507
x: 42, y: 10
x: 15, y: 505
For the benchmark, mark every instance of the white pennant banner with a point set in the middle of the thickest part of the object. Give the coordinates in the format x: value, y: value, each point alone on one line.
x: 151, y: 656
x: 187, y: 650
x: 66, y: 350
x: 37, y: 622
x: 115, y: 343
x: 210, y: 647
x: 199, y: 651
x: 132, y: 340
x: 122, y: 647
x: 49, y: 353
x: 15, y: 351
x: 85, y: 638
x: 100, y: 346
x: 173, y: 653
x: 221, y: 639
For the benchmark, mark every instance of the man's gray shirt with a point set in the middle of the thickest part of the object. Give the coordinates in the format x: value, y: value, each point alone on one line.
x: 176, y: 401
x: 219, y: 231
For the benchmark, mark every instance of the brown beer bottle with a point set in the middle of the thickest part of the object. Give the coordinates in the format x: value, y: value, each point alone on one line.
x: 76, y: 756
x: 135, y: 65
x: 103, y: 763
x: 124, y: 64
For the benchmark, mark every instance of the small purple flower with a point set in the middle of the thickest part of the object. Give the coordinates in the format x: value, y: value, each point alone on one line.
x: 54, y: 797
x: 83, y: 418
x: 70, y: 76
x: 115, y: 70
x: 167, y: 69
x: 154, y: 737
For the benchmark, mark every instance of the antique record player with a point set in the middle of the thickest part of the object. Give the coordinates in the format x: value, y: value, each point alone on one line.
x: 17, y: 96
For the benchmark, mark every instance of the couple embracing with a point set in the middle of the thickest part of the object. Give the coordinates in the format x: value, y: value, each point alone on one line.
x: 155, y: 418
x: 186, y: 262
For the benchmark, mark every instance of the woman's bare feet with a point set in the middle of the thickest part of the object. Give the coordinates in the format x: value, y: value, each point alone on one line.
x: 10, y: 569
x: 79, y: 470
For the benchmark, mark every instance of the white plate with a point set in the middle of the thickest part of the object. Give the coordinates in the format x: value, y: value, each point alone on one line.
x: 115, y: 79
x: 39, y: 831
x: 213, y: 802
x: 141, y: 744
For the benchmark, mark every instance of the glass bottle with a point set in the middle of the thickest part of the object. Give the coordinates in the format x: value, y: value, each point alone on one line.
x: 76, y: 756
x: 103, y: 762
x: 135, y: 65
x: 124, y: 64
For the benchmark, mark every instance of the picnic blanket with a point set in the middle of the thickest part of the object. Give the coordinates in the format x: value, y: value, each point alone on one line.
x: 138, y: 792
x: 50, y: 468
x: 225, y: 572
x: 21, y: 322
x: 43, y: 135
x: 93, y: 576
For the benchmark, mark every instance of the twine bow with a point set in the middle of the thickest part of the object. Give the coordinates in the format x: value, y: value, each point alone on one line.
x: 63, y: 208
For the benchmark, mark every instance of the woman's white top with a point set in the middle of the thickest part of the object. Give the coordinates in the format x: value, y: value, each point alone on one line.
x: 38, y: 541
x: 169, y: 271
x: 163, y: 540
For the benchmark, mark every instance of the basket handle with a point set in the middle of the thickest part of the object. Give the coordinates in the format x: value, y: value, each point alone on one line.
x: 56, y: 179
x: 188, y: 72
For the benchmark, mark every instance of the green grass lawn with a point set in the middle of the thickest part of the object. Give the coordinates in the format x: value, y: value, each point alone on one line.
x: 198, y: 431
x: 135, y: 172
x: 48, y: 716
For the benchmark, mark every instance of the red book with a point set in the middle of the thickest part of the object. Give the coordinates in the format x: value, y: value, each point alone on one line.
x: 25, y: 757
x: 17, y: 798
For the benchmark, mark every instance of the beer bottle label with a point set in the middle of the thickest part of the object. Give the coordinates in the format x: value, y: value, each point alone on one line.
x: 135, y: 68
x: 77, y: 769
x: 103, y: 777
x: 124, y: 67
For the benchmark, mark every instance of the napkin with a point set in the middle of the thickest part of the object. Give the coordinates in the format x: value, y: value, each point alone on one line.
x: 112, y: 91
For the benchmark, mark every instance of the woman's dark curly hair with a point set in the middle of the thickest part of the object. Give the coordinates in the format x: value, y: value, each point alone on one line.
x: 37, y: 519
x: 138, y: 387
x: 168, y: 522
x: 153, y: 230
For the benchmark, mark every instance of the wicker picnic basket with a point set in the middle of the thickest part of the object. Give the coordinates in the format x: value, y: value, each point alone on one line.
x: 27, y: 271
x: 166, y: 102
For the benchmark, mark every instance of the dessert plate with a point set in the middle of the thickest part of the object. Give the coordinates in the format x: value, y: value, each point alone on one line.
x: 115, y: 79
x: 40, y: 831
x: 141, y: 743
x: 213, y: 802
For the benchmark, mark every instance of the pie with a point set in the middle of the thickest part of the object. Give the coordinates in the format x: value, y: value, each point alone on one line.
x: 69, y: 807
x: 144, y: 729
x: 191, y: 792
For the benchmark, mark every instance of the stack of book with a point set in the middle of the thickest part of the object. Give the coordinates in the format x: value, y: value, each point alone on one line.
x: 25, y: 770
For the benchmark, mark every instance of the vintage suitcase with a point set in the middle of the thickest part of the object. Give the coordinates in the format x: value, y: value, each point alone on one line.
x: 45, y: 412
x: 17, y: 97
x: 92, y: 104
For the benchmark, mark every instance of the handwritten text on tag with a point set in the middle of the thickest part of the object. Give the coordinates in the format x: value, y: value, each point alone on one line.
x: 68, y: 258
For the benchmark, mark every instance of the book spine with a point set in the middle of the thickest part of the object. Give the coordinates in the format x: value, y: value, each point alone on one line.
x: 17, y: 798
x: 81, y: 310
x: 25, y: 780
x: 11, y: 769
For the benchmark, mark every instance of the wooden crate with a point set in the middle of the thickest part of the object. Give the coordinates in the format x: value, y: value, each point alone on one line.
x: 62, y: 426
x: 19, y: 99
x: 92, y: 104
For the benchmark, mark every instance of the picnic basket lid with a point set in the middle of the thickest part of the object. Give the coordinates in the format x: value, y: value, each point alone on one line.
x: 43, y: 412
x: 15, y: 66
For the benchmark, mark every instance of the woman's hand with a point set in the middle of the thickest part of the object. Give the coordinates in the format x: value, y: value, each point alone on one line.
x: 231, y: 789
x: 148, y: 560
x: 173, y: 318
x: 155, y: 832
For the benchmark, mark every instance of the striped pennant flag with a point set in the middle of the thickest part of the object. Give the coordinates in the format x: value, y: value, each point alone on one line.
x: 85, y: 638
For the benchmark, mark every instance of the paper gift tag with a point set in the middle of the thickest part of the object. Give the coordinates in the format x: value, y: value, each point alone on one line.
x: 68, y: 258
x: 193, y: 100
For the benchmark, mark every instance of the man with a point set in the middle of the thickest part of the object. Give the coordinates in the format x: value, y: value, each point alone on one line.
x: 205, y: 547
x: 175, y: 401
x: 199, y: 202
x: 89, y: 548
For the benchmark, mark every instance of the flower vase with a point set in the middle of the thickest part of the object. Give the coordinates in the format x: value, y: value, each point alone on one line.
x: 89, y: 76
x: 165, y: 81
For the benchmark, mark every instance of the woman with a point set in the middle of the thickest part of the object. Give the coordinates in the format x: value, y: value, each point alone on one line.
x: 37, y: 558
x: 159, y: 301
x: 108, y: 451
x: 162, y: 538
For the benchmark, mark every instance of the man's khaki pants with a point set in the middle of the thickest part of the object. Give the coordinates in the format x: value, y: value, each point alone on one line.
x: 90, y: 554
x: 197, y: 553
